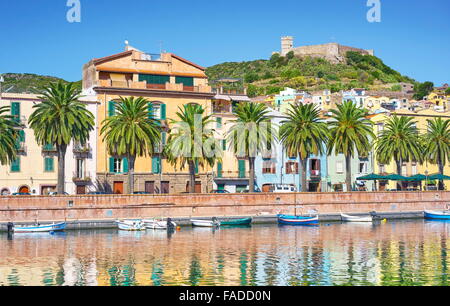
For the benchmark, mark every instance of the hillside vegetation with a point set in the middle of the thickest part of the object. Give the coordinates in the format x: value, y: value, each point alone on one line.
x: 28, y: 83
x: 307, y: 73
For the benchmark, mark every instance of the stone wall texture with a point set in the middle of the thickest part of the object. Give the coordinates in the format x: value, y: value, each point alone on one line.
x: 110, y: 207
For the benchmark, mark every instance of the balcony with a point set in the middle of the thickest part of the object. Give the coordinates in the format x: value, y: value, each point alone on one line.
x: 49, y: 148
x: 145, y: 85
x: 315, y: 173
x: 232, y: 175
x: 21, y: 147
x: 83, y: 177
x: 82, y: 149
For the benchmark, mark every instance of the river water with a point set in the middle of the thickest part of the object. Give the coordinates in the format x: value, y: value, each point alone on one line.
x: 395, y: 253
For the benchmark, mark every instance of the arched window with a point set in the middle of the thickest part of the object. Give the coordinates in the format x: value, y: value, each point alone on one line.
x: 5, y: 191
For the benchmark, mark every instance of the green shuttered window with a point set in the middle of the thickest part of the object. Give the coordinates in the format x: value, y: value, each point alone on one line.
x: 218, y: 123
x: 111, y: 108
x: 49, y: 165
x: 15, y: 165
x: 154, y: 79
x: 219, y: 170
x: 156, y: 165
x: 186, y: 81
x: 241, y: 164
x: 15, y: 111
x: 118, y: 165
x: 163, y: 112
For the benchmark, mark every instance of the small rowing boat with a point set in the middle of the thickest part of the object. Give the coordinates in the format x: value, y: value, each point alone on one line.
x: 348, y: 218
x: 439, y: 215
x: 297, y: 220
x: 157, y: 224
x: 40, y: 228
x: 205, y: 223
x: 236, y: 222
x: 130, y: 225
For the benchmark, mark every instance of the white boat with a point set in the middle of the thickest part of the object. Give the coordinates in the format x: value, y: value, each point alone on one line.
x: 157, y: 224
x: 131, y: 225
x: 205, y: 223
x: 348, y: 218
x: 40, y: 228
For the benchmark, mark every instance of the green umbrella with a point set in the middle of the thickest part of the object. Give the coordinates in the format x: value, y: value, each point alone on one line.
x: 371, y: 177
x: 418, y: 177
x: 396, y: 177
x: 439, y: 177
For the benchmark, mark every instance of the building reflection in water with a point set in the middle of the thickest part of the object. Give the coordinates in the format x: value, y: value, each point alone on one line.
x: 395, y: 253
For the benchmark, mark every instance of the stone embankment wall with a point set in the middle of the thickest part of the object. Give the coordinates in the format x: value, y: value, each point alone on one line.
x: 111, y: 207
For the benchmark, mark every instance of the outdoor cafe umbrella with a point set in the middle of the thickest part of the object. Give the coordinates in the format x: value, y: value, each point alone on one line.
x: 371, y: 177
x: 439, y: 177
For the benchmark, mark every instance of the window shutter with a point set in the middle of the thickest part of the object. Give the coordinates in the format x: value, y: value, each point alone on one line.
x: 111, y: 165
x: 49, y: 164
x: 186, y: 81
x: 111, y: 108
x: 15, y: 110
x: 224, y: 144
x: 156, y: 169
x: 125, y: 165
x: 22, y: 136
x: 150, y: 110
x: 15, y: 165
x: 218, y: 122
x: 219, y: 169
x: 163, y: 138
x: 196, y: 167
x: 163, y: 112
x: 241, y: 164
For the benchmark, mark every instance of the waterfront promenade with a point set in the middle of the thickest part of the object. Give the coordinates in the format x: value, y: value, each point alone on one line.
x: 90, y: 211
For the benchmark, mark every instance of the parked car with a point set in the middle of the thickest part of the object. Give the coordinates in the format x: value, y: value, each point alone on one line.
x: 21, y: 194
x: 220, y: 191
x: 282, y: 188
x: 141, y: 192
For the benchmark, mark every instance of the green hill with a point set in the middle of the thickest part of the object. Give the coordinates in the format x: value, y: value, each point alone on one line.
x: 307, y: 73
x: 27, y: 82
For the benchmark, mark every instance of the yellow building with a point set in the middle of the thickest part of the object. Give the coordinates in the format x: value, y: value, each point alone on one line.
x: 168, y: 82
x: 440, y: 99
x: 408, y: 168
x: 34, y: 170
x: 373, y: 103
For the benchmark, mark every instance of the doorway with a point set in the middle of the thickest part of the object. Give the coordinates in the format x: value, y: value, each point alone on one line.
x: 198, y: 187
x: 24, y: 189
x: 150, y: 187
x: 81, y: 189
x: 118, y: 188
x: 165, y: 187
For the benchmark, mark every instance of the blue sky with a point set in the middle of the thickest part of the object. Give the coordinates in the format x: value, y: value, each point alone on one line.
x: 412, y: 37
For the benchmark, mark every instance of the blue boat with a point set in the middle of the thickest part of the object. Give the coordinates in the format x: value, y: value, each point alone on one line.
x: 437, y: 215
x: 297, y: 220
x: 40, y: 228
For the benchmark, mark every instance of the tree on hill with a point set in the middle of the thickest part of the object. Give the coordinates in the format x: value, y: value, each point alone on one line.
x: 422, y: 90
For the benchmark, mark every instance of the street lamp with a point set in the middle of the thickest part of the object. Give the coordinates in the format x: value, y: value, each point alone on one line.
x: 426, y: 180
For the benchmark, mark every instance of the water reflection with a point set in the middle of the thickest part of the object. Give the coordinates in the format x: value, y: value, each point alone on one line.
x: 395, y: 253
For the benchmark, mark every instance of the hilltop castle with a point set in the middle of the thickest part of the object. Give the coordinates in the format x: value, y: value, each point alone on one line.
x: 332, y: 52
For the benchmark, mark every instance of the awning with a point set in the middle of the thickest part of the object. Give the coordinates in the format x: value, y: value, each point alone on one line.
x: 439, y: 177
x: 371, y: 177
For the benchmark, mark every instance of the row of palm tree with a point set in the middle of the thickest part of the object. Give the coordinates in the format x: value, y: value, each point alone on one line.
x: 133, y: 132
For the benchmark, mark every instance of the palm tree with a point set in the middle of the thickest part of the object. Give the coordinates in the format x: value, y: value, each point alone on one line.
x: 251, y: 134
x: 8, y: 136
x: 131, y: 132
x: 400, y: 141
x: 304, y: 134
x: 191, y: 142
x: 350, y: 133
x: 437, y: 144
x: 59, y: 119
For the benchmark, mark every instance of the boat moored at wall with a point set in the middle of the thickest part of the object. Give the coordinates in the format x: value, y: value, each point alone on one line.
x: 40, y: 228
x: 297, y: 220
x: 437, y: 215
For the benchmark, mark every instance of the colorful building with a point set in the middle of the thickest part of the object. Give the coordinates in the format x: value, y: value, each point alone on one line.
x: 168, y: 82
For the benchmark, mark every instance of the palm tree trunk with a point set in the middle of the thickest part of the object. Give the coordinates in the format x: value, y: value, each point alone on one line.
x: 61, y: 168
x: 441, y: 171
x: 132, y: 160
x: 251, y: 165
x: 399, y: 172
x: 348, y: 172
x: 303, y: 163
x: 191, y: 176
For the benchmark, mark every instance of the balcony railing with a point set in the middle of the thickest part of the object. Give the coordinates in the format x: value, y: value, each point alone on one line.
x: 145, y: 85
x: 82, y: 149
x: 21, y: 147
x: 49, y: 148
x: 83, y: 177
x: 232, y: 175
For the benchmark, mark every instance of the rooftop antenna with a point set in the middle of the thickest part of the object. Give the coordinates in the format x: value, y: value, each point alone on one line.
x: 126, y: 45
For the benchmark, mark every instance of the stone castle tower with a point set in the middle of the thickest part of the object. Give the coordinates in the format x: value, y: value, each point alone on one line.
x: 332, y: 52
